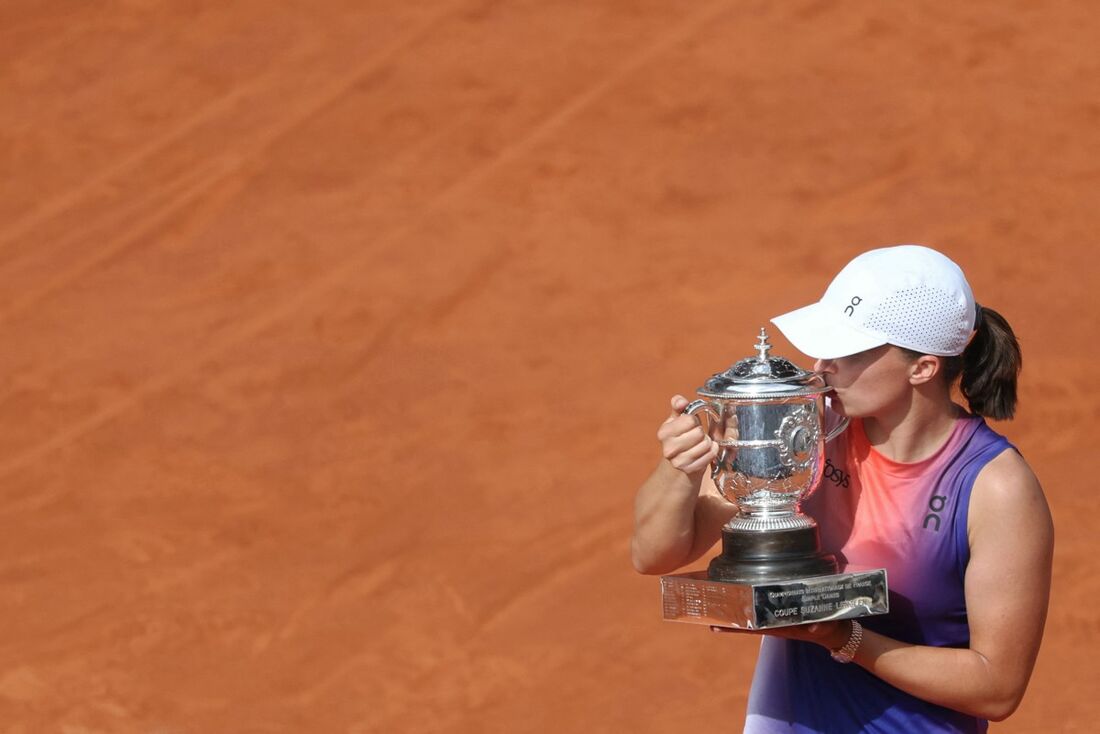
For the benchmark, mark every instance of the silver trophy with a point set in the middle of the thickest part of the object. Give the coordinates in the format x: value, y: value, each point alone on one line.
x: 767, y: 416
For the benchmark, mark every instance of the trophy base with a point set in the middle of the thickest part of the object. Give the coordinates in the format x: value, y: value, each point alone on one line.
x: 760, y: 556
x: 697, y: 599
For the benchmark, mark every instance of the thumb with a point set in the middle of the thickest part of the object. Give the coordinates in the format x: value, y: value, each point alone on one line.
x: 678, y: 403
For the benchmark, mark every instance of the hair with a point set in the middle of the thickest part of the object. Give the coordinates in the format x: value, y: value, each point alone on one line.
x: 988, y: 369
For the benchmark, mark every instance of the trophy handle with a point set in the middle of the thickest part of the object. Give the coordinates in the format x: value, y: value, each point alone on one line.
x: 696, y: 406
x: 713, y: 418
x: 838, y: 430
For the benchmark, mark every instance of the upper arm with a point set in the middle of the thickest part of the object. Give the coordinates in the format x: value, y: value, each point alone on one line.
x: 1008, y: 577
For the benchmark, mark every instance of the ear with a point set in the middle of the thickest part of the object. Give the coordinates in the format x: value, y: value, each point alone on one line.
x: 924, y: 369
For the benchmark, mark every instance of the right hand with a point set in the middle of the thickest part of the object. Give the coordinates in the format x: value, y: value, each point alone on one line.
x: 684, y: 443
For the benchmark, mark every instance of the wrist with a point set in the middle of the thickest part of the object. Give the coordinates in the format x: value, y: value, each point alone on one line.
x: 839, y: 634
x: 680, y: 479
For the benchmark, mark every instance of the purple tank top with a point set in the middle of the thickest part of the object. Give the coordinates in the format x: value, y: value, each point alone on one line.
x: 912, y: 520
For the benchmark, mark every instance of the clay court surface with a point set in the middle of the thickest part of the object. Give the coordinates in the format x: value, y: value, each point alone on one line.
x: 334, y: 335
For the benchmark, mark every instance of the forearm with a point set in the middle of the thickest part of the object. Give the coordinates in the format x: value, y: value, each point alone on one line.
x: 956, y: 678
x: 664, y: 520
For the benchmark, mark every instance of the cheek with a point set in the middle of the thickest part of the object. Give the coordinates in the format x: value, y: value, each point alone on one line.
x: 880, y: 388
x: 868, y: 390
x: 853, y: 378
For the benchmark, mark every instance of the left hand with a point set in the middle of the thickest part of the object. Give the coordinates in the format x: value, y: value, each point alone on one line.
x: 830, y: 635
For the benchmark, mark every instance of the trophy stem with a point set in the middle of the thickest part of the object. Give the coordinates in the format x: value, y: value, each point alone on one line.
x: 758, y: 556
x: 768, y: 519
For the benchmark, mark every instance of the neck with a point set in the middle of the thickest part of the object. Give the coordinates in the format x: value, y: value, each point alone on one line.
x: 914, y: 431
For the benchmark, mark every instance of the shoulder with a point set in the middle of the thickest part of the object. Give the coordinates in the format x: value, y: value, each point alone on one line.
x: 1007, y: 497
x: 1007, y: 477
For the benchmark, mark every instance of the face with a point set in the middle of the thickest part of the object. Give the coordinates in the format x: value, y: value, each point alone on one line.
x: 868, y: 383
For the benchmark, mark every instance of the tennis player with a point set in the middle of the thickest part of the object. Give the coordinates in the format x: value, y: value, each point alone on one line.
x: 918, y: 485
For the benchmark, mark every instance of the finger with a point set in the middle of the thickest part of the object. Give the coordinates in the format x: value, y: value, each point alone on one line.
x: 694, y: 454
x: 683, y: 424
x: 821, y: 631
x: 813, y: 632
x: 702, y: 462
x: 681, y: 429
x: 678, y: 403
x: 674, y: 446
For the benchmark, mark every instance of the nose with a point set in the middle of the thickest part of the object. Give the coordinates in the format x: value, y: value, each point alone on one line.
x: 825, y: 365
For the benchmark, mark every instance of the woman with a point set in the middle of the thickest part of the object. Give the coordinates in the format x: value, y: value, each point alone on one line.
x: 917, y: 485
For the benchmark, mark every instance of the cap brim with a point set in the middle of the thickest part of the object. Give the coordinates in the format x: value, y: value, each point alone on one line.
x: 818, y: 333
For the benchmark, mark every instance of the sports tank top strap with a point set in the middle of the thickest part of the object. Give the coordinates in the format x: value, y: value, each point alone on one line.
x: 981, y: 447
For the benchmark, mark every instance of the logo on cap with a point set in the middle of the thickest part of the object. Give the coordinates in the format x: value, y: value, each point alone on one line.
x: 851, y: 308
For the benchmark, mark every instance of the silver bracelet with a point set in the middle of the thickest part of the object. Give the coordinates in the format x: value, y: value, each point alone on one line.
x: 848, y: 652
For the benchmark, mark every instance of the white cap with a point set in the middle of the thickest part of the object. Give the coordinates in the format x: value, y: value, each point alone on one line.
x: 909, y: 296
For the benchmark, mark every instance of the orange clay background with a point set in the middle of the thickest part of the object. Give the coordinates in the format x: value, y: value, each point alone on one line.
x: 334, y: 335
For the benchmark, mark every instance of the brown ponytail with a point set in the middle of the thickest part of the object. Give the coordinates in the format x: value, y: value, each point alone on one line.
x: 988, y: 367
